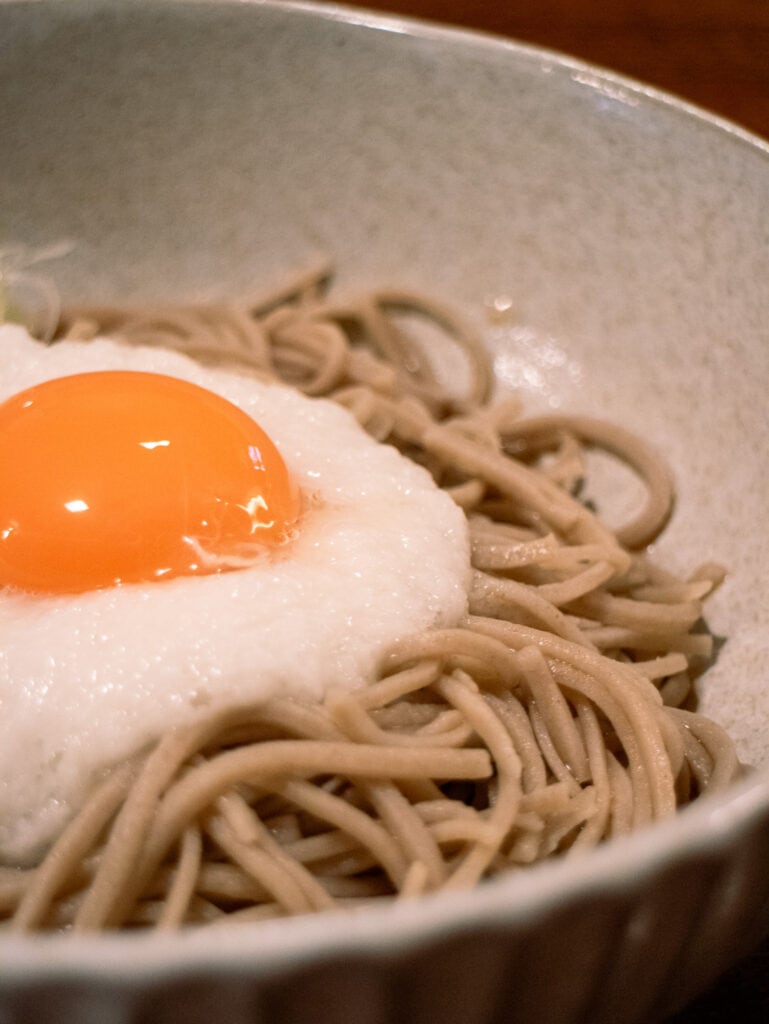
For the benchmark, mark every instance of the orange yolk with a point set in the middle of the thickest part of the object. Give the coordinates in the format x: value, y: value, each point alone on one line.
x: 124, y: 477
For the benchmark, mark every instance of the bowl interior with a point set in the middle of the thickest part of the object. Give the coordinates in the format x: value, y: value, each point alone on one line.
x: 195, y: 150
x: 200, y: 149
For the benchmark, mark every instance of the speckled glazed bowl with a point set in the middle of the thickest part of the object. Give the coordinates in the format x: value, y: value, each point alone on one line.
x: 194, y: 148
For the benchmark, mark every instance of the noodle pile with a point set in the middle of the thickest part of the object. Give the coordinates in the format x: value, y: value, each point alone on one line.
x: 557, y: 716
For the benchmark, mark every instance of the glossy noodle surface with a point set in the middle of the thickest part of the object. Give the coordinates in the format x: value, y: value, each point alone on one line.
x: 559, y: 714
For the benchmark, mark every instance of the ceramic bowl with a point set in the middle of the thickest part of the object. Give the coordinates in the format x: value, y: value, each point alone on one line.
x: 195, y: 148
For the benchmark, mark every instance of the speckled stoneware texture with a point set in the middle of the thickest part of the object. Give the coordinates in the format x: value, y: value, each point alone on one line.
x: 193, y: 149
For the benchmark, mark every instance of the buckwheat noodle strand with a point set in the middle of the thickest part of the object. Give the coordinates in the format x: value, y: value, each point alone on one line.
x: 558, y: 715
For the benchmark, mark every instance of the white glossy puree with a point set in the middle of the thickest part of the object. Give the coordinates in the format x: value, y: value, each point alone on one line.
x: 86, y: 680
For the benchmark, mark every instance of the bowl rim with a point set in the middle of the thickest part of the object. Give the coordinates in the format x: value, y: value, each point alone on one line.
x: 452, y: 33
x: 703, y: 829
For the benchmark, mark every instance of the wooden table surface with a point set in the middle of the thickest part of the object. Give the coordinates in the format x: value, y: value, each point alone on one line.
x: 714, y: 53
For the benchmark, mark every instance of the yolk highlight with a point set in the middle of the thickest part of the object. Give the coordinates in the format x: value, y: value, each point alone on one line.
x: 124, y: 477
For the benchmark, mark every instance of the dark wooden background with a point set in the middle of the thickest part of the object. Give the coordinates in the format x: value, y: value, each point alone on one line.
x: 714, y: 53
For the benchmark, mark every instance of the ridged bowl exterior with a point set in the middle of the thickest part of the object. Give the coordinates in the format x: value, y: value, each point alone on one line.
x: 194, y: 147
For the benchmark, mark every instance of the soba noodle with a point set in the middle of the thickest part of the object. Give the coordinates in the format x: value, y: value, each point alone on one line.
x: 557, y: 716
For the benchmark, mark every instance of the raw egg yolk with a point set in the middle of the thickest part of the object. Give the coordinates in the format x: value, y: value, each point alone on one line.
x: 124, y: 477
